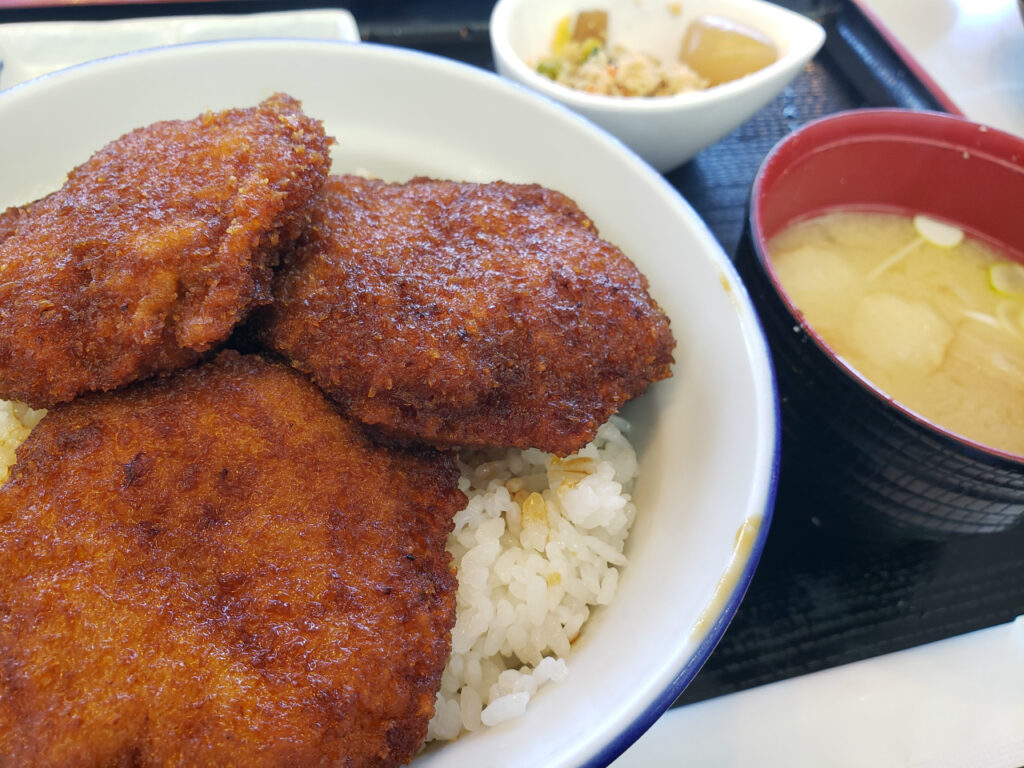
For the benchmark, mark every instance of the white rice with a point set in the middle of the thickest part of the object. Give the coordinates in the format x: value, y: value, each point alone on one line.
x: 539, y: 544
x: 16, y: 421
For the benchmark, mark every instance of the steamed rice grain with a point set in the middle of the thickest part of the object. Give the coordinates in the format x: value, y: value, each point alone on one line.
x: 16, y: 421
x: 538, y: 545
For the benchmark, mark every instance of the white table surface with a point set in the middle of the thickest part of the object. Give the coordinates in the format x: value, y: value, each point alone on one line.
x: 958, y: 703
x: 973, y: 49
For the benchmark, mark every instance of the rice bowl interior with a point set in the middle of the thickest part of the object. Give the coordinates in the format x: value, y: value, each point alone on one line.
x: 706, y: 440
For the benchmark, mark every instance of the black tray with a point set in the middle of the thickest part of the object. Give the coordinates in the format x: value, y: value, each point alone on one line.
x: 818, y: 600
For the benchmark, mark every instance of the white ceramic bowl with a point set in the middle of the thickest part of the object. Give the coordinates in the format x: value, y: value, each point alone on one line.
x: 707, y: 438
x: 665, y: 131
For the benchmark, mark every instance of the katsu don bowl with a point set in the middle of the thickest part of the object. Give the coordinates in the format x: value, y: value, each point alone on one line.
x: 706, y: 439
x: 868, y: 450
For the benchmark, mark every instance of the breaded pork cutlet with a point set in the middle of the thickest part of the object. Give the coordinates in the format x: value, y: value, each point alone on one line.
x: 216, y: 568
x: 467, y: 314
x: 9, y: 221
x: 153, y: 250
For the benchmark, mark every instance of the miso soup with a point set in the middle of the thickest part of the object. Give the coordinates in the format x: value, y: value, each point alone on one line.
x: 932, y: 318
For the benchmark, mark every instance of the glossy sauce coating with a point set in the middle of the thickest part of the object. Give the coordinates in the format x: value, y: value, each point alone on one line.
x: 153, y: 250
x: 467, y: 314
x: 216, y: 568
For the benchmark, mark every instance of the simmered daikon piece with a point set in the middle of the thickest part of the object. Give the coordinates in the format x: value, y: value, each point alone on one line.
x: 721, y: 50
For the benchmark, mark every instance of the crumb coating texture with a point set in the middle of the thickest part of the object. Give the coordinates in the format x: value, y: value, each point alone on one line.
x: 467, y: 314
x: 153, y: 250
x: 215, y: 568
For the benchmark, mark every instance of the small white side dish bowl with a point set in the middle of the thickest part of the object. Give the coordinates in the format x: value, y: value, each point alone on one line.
x: 668, y: 130
x: 707, y: 439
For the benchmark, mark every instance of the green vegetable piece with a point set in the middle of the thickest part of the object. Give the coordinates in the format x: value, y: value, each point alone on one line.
x: 590, y: 47
x: 550, y: 68
x: 1007, y: 278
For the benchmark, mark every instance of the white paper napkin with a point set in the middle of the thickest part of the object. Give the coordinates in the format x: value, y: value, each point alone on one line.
x: 35, y: 48
x: 956, y: 703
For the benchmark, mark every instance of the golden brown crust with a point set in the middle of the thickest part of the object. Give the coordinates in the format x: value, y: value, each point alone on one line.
x: 467, y: 314
x: 153, y: 250
x: 215, y: 568
x: 9, y: 221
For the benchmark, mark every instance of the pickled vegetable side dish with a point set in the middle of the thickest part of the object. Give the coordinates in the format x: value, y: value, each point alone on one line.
x: 713, y: 51
x: 932, y: 318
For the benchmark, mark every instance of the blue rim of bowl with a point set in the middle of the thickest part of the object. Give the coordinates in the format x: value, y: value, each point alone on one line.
x: 980, y: 451
x: 752, y: 331
x: 642, y: 723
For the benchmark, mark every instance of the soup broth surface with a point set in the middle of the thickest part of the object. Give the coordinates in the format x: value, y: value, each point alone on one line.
x: 938, y: 327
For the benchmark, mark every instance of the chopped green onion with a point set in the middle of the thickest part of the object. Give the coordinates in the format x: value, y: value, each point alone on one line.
x: 938, y: 233
x: 1007, y: 278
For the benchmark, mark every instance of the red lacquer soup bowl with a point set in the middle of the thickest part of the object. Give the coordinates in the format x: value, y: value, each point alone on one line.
x: 853, y: 458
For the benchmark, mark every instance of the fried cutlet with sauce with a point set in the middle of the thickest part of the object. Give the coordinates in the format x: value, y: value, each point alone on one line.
x: 466, y: 314
x: 214, y: 567
x: 9, y: 221
x: 153, y: 250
